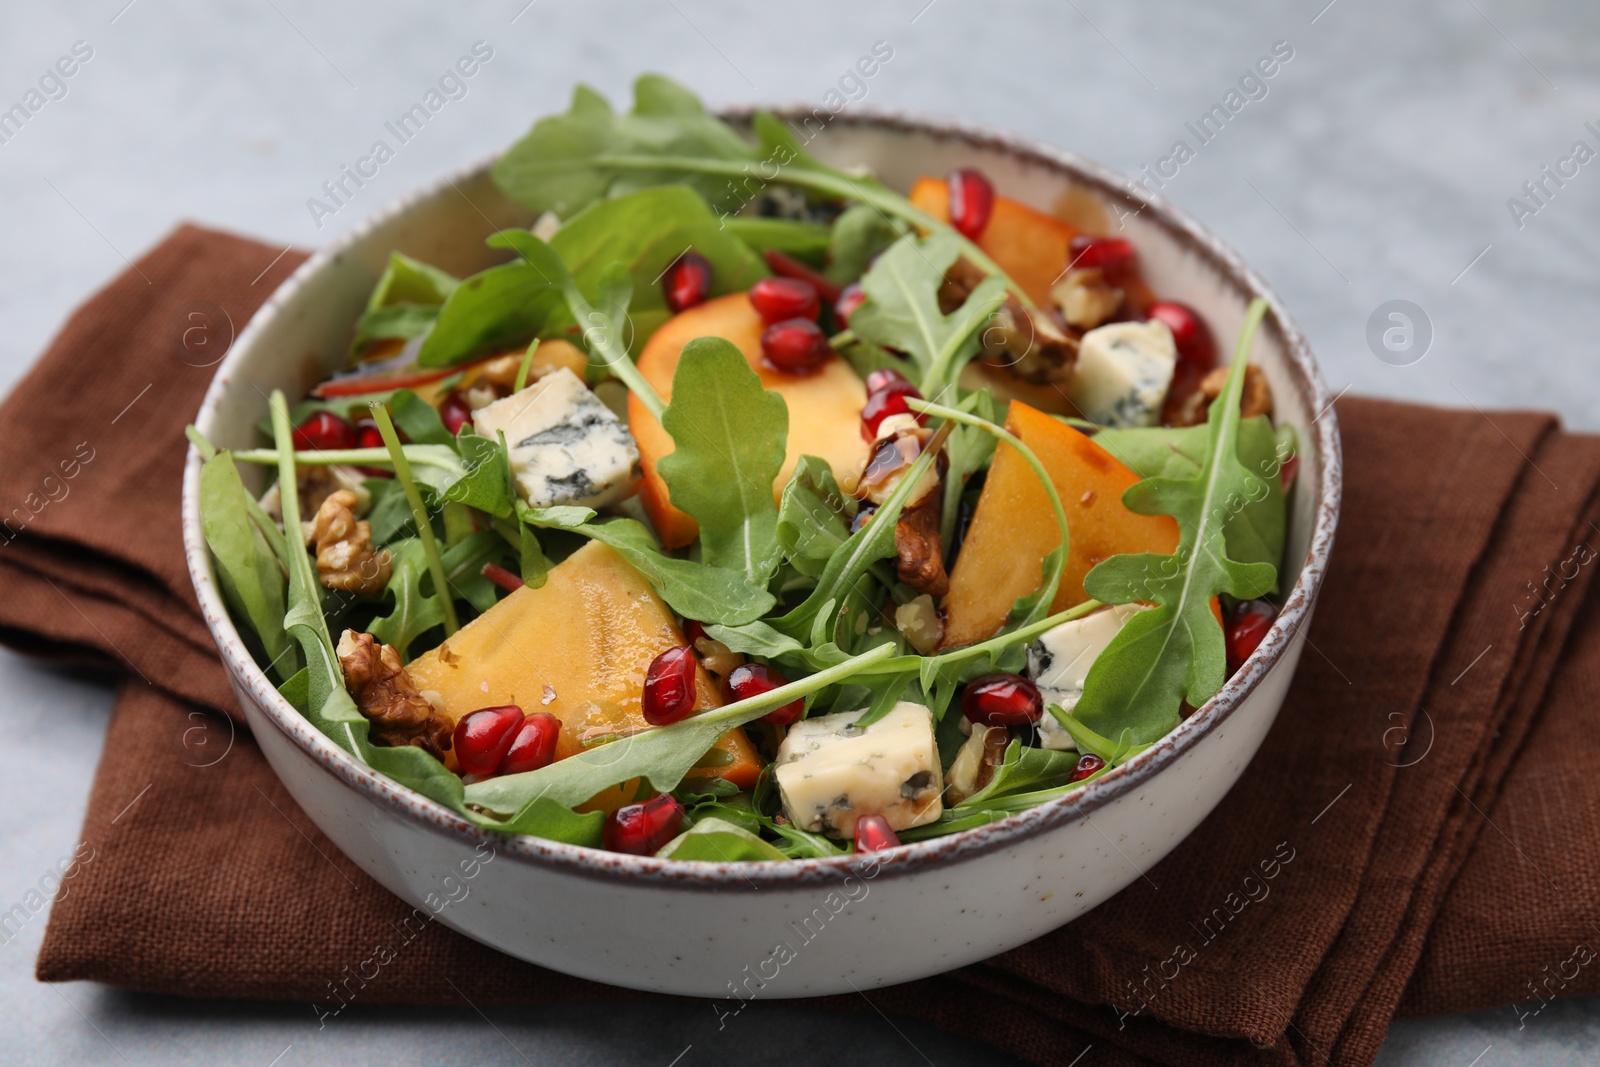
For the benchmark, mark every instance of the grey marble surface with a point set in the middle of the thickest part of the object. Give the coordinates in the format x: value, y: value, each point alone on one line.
x: 1377, y: 166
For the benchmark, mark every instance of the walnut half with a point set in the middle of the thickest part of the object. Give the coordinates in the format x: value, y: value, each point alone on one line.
x: 386, y: 696
x: 1193, y: 409
x: 345, y: 557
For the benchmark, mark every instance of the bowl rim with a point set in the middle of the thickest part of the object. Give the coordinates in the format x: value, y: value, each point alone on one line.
x: 935, y: 852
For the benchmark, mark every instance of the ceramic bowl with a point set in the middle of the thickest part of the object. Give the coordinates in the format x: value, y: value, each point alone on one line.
x: 801, y: 927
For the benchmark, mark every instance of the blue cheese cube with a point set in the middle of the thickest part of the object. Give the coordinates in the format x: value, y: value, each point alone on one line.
x: 1122, y: 373
x: 566, y: 446
x: 830, y: 772
x: 1059, y: 661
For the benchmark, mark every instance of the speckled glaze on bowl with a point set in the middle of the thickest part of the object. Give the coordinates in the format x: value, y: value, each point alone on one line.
x: 802, y: 927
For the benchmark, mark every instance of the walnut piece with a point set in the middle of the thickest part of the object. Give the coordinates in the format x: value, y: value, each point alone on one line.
x: 345, y: 557
x: 920, y: 557
x: 384, y: 692
x: 1026, y: 342
x: 1256, y: 398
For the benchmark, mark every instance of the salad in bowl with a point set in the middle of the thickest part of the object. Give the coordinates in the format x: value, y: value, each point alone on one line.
x: 752, y: 510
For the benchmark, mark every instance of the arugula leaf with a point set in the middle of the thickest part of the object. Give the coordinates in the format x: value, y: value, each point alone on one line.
x: 404, y: 304
x: 716, y: 840
x: 662, y: 755
x: 812, y: 517
x: 849, y: 564
x: 569, y: 161
x: 247, y: 567
x: 805, y: 241
x: 485, y: 483
x: 418, y: 419
x: 1174, y: 652
x: 754, y: 639
x: 415, y: 612
x: 709, y: 594
x: 728, y: 434
x: 860, y: 233
x: 971, y: 449
x: 1114, y: 753
x: 902, y: 309
x: 1254, y: 531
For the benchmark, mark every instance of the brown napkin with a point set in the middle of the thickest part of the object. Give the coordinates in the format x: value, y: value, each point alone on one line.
x: 1420, y: 831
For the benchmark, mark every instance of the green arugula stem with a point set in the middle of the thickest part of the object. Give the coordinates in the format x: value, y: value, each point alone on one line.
x: 430, y: 547
x: 902, y: 664
x: 350, y: 457
x: 527, y: 364
x: 289, y: 498
x: 890, y: 203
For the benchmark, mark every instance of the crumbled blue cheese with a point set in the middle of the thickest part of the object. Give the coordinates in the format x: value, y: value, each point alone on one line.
x: 1059, y: 661
x: 1122, y: 373
x: 830, y: 772
x: 566, y: 446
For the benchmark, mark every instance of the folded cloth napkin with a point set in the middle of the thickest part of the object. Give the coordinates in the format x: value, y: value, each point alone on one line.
x: 1420, y: 832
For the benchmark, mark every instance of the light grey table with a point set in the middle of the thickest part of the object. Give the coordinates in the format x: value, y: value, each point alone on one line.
x: 1378, y: 164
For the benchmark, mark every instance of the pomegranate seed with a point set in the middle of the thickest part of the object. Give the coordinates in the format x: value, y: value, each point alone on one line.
x: 483, y: 737
x: 367, y: 436
x: 795, y: 345
x: 850, y: 298
x: 1189, y: 333
x: 693, y: 631
x: 1002, y: 700
x: 776, y: 299
x: 324, y: 431
x: 455, y: 413
x: 885, y: 379
x: 1290, y: 468
x: 874, y: 834
x: 882, y: 403
x: 862, y: 515
x: 687, y: 282
x: 669, y: 688
x: 1248, y: 624
x: 1111, y: 254
x: 752, y: 679
x: 1088, y: 763
x: 641, y: 829
x: 786, y: 265
x: 501, y: 577
x: 533, y: 744
x: 971, y: 202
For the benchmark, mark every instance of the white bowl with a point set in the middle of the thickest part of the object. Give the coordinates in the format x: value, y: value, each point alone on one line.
x: 801, y: 927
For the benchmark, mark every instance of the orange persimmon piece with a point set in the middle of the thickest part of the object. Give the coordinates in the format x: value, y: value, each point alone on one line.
x: 1014, y: 528
x: 1028, y: 244
x: 824, y: 407
x: 577, y: 647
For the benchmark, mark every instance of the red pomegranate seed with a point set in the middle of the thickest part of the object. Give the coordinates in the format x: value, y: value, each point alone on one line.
x: 687, y: 282
x: 455, y: 413
x: 1189, y: 333
x: 324, y: 431
x: 1002, y: 700
x: 795, y: 345
x: 849, y: 299
x: 641, y: 829
x: 971, y: 202
x: 693, y: 631
x: 533, y: 744
x: 752, y: 679
x: 483, y: 737
x: 886, y: 378
x: 1247, y: 625
x: 874, y: 834
x: 776, y: 299
x: 889, y: 400
x: 1290, y: 468
x: 501, y: 577
x: 1111, y: 254
x: 669, y: 689
x: 367, y: 436
x: 789, y: 267
x: 1088, y: 763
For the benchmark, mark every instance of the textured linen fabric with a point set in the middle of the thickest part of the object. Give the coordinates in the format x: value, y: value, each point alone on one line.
x: 1419, y: 833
